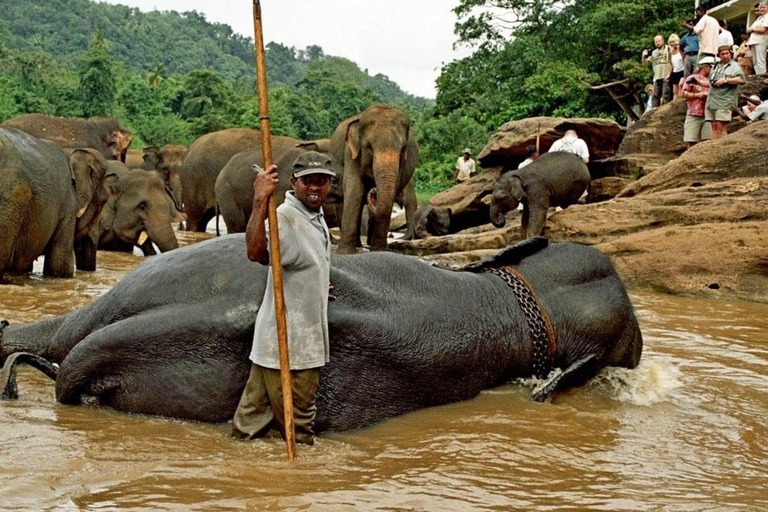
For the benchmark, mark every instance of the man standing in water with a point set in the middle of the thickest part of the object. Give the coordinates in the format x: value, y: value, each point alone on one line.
x: 306, y: 258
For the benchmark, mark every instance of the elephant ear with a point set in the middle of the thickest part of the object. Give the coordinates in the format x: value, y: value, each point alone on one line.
x: 112, y: 182
x: 309, y: 145
x: 517, y: 188
x: 86, y: 177
x: 353, y: 138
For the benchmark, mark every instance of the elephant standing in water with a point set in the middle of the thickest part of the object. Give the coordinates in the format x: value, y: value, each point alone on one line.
x: 167, y: 161
x: 173, y: 337
x: 234, y: 186
x: 140, y: 211
x: 553, y: 179
x: 379, y: 154
x: 205, y: 159
x: 104, y: 134
x: 49, y: 205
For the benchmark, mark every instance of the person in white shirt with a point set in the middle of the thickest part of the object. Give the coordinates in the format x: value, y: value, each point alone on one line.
x: 571, y: 143
x: 758, y: 38
x: 531, y: 154
x: 465, y: 167
x: 725, y: 36
x: 708, y: 30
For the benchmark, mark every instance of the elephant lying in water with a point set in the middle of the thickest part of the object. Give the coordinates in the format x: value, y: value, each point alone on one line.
x: 173, y: 337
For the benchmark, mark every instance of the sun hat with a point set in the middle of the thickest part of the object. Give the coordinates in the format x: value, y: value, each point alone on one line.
x: 707, y: 60
x: 467, y: 150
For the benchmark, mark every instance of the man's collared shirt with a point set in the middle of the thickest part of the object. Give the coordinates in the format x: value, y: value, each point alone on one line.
x: 305, y: 253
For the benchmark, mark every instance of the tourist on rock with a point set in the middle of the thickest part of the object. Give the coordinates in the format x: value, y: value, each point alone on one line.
x: 675, y: 70
x: 659, y: 60
x: 695, y: 91
x: 725, y: 79
x: 531, y: 154
x: 465, y: 167
x: 708, y: 30
x: 756, y: 108
x: 758, y: 37
x: 725, y: 36
x: 571, y: 143
x: 744, y: 56
x: 689, y: 45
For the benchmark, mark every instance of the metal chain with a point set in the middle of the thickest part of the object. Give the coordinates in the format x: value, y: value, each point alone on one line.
x: 542, y: 334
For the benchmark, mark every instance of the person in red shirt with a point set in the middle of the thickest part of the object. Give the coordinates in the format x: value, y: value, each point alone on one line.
x: 695, y: 91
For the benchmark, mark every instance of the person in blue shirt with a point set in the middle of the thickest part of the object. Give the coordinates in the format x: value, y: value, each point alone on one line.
x: 689, y: 46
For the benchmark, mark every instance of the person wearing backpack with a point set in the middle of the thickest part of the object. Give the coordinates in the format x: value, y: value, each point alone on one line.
x: 571, y: 143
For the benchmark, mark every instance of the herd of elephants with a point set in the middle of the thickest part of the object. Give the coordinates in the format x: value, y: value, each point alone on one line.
x: 404, y: 334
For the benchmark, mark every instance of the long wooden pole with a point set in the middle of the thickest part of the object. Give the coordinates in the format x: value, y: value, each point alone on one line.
x: 274, y: 240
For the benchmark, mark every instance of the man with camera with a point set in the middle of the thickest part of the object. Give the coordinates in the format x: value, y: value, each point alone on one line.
x: 660, y: 61
x: 695, y: 91
x: 725, y: 78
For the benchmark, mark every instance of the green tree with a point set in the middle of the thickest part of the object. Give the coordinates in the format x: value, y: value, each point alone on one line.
x: 207, y: 102
x: 98, y: 85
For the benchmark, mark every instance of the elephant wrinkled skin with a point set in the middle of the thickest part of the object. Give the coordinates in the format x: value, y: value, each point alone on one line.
x: 234, y: 186
x: 160, y: 341
x: 205, y: 159
x: 49, y: 205
x: 378, y: 154
x: 104, y: 134
x: 553, y: 179
x: 140, y: 211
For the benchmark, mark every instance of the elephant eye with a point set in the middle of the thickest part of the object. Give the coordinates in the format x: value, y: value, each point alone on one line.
x: 142, y: 206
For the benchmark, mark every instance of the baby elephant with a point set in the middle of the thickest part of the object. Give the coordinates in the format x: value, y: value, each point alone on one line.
x: 554, y: 179
x: 432, y: 221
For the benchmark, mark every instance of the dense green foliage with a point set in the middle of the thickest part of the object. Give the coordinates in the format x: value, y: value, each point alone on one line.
x: 171, y: 77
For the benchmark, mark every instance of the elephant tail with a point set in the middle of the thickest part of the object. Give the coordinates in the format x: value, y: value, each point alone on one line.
x: 8, y: 384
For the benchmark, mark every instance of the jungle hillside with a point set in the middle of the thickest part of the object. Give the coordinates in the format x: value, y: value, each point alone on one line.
x: 170, y: 77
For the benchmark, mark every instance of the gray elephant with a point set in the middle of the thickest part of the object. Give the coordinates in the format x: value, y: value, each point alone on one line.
x: 140, y: 211
x: 166, y: 160
x: 553, y: 179
x: 432, y: 221
x: 160, y: 341
x: 104, y: 134
x: 234, y: 186
x: 48, y: 205
x: 205, y: 159
x: 379, y: 155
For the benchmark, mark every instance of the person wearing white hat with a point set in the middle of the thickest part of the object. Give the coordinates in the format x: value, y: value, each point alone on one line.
x: 695, y: 91
x: 465, y: 166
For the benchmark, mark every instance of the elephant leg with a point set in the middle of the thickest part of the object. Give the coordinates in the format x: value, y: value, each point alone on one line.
x: 171, y: 376
x: 574, y: 376
x: 350, y: 221
x: 85, y: 254
x: 59, y: 255
x: 524, y: 221
x: 410, y: 203
x: 537, y: 219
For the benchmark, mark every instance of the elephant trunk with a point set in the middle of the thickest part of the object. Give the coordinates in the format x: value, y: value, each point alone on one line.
x: 497, y: 216
x: 161, y: 233
x: 386, y: 173
x: 175, y: 186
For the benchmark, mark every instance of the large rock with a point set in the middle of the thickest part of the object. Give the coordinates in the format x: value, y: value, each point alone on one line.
x: 469, y: 201
x: 741, y: 154
x: 699, y: 225
x: 506, y: 148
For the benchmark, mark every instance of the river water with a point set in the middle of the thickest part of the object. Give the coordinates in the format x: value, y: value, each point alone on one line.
x: 686, y: 430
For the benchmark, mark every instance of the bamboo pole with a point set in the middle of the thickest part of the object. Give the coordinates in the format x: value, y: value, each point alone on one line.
x: 274, y: 240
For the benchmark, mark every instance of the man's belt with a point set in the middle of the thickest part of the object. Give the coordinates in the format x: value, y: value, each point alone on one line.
x: 539, y: 324
x: 691, y: 53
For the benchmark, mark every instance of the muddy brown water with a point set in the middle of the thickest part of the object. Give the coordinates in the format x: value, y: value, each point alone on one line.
x: 686, y: 430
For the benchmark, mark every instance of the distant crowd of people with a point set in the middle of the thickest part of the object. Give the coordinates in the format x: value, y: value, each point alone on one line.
x: 706, y: 68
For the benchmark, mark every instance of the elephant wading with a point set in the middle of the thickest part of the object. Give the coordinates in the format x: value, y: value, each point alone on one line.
x: 234, y: 186
x: 378, y: 154
x: 103, y: 134
x: 205, y: 159
x: 140, y: 210
x: 553, y: 179
x: 160, y: 341
x: 49, y: 205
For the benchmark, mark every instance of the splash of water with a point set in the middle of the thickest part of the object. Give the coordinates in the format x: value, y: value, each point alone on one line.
x: 654, y: 380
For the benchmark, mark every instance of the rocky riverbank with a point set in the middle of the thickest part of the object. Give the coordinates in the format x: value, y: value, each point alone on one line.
x: 696, y: 223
